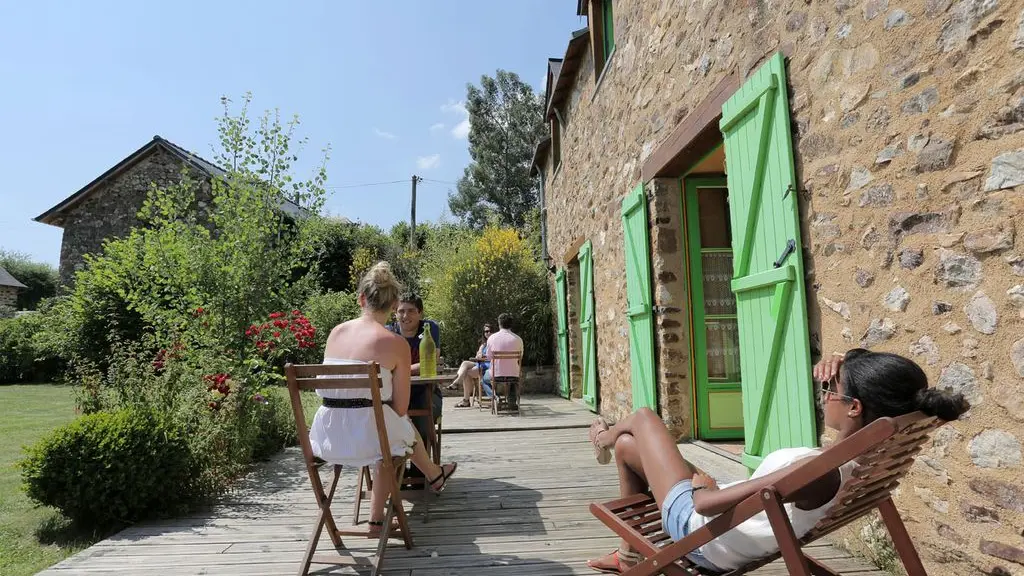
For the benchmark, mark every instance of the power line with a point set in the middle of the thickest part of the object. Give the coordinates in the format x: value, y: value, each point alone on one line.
x: 439, y: 181
x: 365, y: 185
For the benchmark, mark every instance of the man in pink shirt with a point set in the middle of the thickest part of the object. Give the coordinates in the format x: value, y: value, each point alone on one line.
x: 505, y: 370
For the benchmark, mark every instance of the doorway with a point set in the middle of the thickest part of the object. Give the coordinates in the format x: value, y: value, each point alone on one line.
x: 718, y: 396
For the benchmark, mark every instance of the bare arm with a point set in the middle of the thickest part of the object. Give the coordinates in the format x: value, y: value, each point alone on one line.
x: 713, y: 501
x: 400, y: 383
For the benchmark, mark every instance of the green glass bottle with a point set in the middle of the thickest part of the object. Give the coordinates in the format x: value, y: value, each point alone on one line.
x: 428, y: 353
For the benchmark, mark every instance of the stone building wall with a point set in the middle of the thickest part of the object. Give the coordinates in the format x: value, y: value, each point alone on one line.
x: 909, y: 140
x: 111, y: 211
x: 9, y: 297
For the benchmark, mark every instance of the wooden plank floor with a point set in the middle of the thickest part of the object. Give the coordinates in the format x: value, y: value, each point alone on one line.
x: 537, y: 412
x: 518, y: 506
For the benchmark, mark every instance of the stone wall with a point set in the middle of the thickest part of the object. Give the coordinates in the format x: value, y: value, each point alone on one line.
x: 111, y: 211
x: 909, y: 138
x: 671, y: 295
x: 9, y: 297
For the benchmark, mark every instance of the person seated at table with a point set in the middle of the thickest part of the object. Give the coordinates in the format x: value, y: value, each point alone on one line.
x: 506, y: 371
x: 856, y: 389
x: 470, y: 372
x: 410, y: 326
x: 348, y: 435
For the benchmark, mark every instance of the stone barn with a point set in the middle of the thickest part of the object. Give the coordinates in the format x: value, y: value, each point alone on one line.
x: 9, y: 288
x: 108, y: 206
x: 731, y: 190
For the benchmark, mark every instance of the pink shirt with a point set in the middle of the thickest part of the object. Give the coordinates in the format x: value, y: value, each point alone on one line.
x: 504, y: 340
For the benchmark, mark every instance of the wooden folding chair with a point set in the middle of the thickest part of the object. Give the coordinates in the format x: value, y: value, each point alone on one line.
x: 884, y: 451
x: 511, y: 384
x: 349, y: 377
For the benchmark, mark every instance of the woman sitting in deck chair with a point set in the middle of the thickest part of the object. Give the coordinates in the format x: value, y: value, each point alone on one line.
x: 346, y: 432
x: 855, y: 390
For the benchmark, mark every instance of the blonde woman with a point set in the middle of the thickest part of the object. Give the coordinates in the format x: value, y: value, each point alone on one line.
x: 347, y: 435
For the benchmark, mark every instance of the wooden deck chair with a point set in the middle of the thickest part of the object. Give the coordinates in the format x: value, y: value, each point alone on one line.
x: 506, y: 382
x: 350, y: 377
x: 884, y: 451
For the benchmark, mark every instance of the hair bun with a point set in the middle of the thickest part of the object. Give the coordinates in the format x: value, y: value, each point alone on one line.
x: 381, y: 274
x: 943, y: 403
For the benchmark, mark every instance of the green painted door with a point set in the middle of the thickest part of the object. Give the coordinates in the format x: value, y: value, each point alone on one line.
x: 716, y: 352
x: 638, y: 299
x: 587, y: 316
x: 768, y: 280
x: 563, y: 334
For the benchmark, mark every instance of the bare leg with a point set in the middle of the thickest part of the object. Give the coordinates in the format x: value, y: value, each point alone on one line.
x: 469, y: 385
x: 646, y: 457
x: 652, y: 455
x: 422, y: 461
x: 467, y: 375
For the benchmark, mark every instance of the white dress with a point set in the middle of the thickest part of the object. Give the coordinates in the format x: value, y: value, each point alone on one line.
x: 348, y: 436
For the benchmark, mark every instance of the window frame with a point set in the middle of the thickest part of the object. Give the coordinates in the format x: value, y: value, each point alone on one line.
x: 601, y: 19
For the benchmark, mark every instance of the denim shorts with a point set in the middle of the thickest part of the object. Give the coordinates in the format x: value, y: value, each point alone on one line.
x: 675, y: 517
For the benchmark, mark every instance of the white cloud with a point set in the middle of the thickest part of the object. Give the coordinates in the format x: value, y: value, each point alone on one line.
x: 383, y: 134
x: 461, y: 130
x: 453, y: 106
x: 428, y: 162
x: 436, y: 127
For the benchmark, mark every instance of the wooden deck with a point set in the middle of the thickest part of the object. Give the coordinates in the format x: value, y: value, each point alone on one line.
x: 536, y: 413
x: 518, y: 506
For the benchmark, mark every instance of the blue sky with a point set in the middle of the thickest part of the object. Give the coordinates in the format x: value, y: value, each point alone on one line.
x: 86, y: 83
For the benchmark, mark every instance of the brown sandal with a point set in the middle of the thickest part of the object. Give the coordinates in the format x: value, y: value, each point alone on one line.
x: 464, y: 403
x: 614, y: 562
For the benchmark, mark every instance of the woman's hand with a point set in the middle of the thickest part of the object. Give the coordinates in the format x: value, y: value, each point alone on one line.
x: 702, y: 480
x: 828, y: 368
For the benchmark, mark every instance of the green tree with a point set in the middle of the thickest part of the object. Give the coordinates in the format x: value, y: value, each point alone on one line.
x: 41, y: 278
x: 506, y: 122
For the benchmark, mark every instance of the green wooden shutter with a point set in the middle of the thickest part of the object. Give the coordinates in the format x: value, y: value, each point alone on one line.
x: 563, y: 334
x: 587, y: 315
x: 608, y: 35
x: 638, y: 298
x: 768, y: 278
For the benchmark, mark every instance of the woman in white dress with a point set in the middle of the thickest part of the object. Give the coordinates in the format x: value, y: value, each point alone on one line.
x: 348, y: 435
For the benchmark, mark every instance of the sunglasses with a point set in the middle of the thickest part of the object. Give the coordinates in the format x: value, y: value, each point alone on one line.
x: 829, y: 388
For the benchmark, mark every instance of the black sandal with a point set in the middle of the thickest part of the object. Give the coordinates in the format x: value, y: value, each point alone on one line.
x: 379, y: 525
x: 443, y: 477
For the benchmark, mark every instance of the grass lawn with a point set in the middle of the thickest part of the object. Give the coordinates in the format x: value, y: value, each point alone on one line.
x: 30, y: 538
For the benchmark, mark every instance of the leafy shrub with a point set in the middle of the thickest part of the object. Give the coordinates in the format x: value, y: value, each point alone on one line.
x: 6, y: 312
x: 110, y: 468
x: 24, y: 356
x: 475, y: 278
x: 40, y: 278
x: 326, y: 311
x: 276, y: 424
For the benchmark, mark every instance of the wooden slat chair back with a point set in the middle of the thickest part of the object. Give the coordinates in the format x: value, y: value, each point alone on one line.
x: 498, y: 399
x: 349, y: 377
x: 884, y: 451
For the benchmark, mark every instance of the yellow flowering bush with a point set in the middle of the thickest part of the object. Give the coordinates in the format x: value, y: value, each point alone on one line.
x: 473, y: 278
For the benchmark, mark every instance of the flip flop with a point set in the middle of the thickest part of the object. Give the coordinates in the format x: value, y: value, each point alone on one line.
x: 603, y: 454
x: 443, y: 477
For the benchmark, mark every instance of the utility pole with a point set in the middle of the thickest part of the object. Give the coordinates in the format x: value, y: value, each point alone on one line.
x: 412, y: 218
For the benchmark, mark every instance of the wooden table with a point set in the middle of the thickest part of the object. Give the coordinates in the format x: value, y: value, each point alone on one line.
x: 432, y: 443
